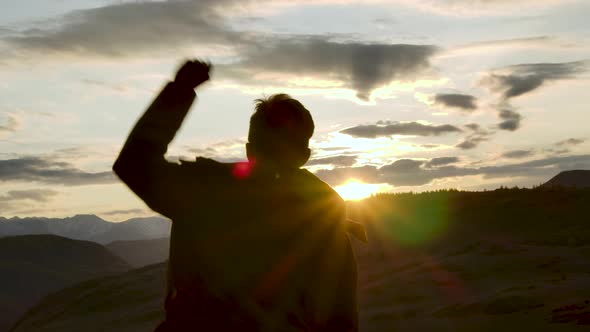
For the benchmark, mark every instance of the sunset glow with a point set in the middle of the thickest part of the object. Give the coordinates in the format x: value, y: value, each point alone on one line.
x: 356, y: 190
x: 397, y: 101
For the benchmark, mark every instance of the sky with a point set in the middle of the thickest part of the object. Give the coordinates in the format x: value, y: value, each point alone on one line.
x: 406, y: 95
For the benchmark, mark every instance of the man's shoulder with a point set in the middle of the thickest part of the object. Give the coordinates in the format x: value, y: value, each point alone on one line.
x: 316, y: 187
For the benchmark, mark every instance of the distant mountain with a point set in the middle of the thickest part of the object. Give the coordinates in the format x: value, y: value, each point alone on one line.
x: 88, y: 227
x: 135, y: 229
x: 32, y: 266
x: 141, y: 252
x: 572, y: 179
x: 131, y: 301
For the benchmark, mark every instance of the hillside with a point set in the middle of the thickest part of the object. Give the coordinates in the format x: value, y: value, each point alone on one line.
x: 132, y: 301
x: 88, y: 227
x: 504, y: 260
x: 32, y: 266
x: 141, y: 252
x: 571, y: 179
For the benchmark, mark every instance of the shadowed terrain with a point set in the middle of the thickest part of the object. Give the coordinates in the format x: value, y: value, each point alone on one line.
x: 32, y: 266
x: 131, y: 301
x: 509, y: 259
x: 571, y: 179
x: 140, y: 253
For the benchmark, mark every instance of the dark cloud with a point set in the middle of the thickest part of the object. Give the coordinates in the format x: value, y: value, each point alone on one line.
x: 37, y: 195
x: 428, y: 146
x: 145, y: 28
x: 441, y: 161
x: 404, y: 172
x: 361, y: 67
x: 475, y: 137
x: 515, y: 154
x: 334, y: 148
x: 571, y: 142
x: 455, y: 100
x: 399, y: 128
x: 342, y: 160
x: 510, y: 120
x: 127, y: 211
x: 409, y: 172
x: 403, y: 165
x: 33, y: 169
x: 339, y: 175
x: 131, y: 29
x: 471, y: 142
x: 473, y: 126
x: 564, y: 146
x: 514, y: 81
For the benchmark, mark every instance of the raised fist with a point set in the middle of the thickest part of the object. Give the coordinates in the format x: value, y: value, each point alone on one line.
x: 193, y: 73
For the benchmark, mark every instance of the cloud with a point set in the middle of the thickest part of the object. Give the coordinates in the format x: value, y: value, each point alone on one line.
x: 441, y: 161
x: 410, y: 172
x: 342, y: 160
x: 517, y: 80
x: 515, y: 154
x: 473, y: 126
x: 564, y: 146
x: 510, y: 120
x: 34, y: 169
x: 126, y: 211
x: 478, y: 135
x: 514, y: 81
x: 37, y: 195
x: 428, y: 146
x: 339, y: 175
x: 131, y: 29
x: 10, y: 125
x: 404, y: 172
x: 403, y: 165
x: 387, y: 128
x: 491, y: 45
x: 455, y: 100
x: 147, y: 28
x: 483, y: 7
x: 471, y: 142
x: 571, y: 142
x: 361, y: 67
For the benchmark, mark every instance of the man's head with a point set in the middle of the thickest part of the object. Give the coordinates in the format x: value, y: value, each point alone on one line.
x: 280, y: 129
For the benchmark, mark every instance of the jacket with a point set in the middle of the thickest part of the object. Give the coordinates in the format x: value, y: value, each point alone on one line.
x: 249, y: 251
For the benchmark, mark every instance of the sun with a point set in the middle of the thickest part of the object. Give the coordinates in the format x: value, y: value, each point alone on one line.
x: 356, y: 190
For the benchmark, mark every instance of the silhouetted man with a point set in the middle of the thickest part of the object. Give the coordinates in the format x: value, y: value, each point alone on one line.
x: 255, y: 246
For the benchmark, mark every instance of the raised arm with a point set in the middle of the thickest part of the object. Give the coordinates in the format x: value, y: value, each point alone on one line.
x: 141, y: 164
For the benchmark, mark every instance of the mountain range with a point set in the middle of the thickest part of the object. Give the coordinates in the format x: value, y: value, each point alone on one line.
x: 88, y: 227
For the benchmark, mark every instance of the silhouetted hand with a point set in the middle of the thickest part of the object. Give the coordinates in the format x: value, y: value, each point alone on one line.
x: 193, y: 73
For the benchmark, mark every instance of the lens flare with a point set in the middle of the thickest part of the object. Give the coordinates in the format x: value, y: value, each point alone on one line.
x: 413, y: 220
x: 355, y: 190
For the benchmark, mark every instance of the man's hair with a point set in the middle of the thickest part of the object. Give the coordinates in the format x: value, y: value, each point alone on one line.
x: 280, y: 117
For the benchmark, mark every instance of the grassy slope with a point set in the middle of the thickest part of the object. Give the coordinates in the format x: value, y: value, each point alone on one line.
x: 32, y: 266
